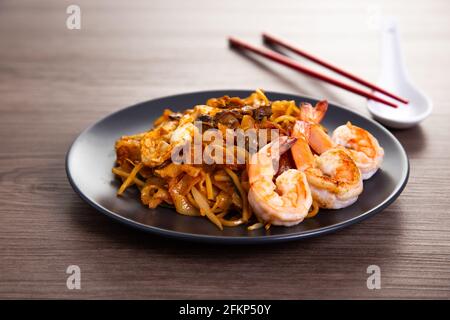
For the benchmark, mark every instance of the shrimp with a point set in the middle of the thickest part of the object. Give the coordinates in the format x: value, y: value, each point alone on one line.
x: 362, y: 146
x: 333, y: 176
x: 315, y: 114
x: 285, y: 202
x: 359, y: 144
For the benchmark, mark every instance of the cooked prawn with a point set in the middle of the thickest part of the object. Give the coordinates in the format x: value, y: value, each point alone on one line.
x: 285, y: 202
x: 362, y: 146
x: 333, y: 176
x: 315, y: 114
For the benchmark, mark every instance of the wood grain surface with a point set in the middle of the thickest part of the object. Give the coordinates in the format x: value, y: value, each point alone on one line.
x: 54, y: 82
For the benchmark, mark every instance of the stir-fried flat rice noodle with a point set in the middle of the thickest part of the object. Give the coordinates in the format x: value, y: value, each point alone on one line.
x: 215, y: 191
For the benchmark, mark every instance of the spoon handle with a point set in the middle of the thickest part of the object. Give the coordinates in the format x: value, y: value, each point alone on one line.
x: 392, y: 63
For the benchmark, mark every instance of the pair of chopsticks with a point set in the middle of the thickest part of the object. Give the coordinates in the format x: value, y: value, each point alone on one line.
x: 286, y: 61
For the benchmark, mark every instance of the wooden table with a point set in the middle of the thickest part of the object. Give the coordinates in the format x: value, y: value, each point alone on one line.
x: 54, y: 82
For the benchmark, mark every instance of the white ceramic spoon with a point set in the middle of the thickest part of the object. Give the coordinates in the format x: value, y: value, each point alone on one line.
x: 394, y: 78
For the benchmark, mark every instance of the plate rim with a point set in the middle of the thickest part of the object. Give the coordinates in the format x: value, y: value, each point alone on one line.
x: 236, y: 239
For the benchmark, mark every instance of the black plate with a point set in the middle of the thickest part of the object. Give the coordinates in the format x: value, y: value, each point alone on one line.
x: 91, y: 157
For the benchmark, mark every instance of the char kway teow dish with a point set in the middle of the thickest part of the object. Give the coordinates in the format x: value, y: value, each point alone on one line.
x: 248, y: 161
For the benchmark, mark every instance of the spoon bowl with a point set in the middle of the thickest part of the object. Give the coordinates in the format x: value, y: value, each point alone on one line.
x: 406, y: 115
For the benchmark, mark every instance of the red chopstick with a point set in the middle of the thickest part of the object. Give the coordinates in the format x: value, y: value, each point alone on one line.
x: 297, y: 66
x: 275, y: 40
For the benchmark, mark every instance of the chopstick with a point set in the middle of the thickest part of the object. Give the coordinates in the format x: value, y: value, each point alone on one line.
x: 270, y: 39
x: 297, y: 66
